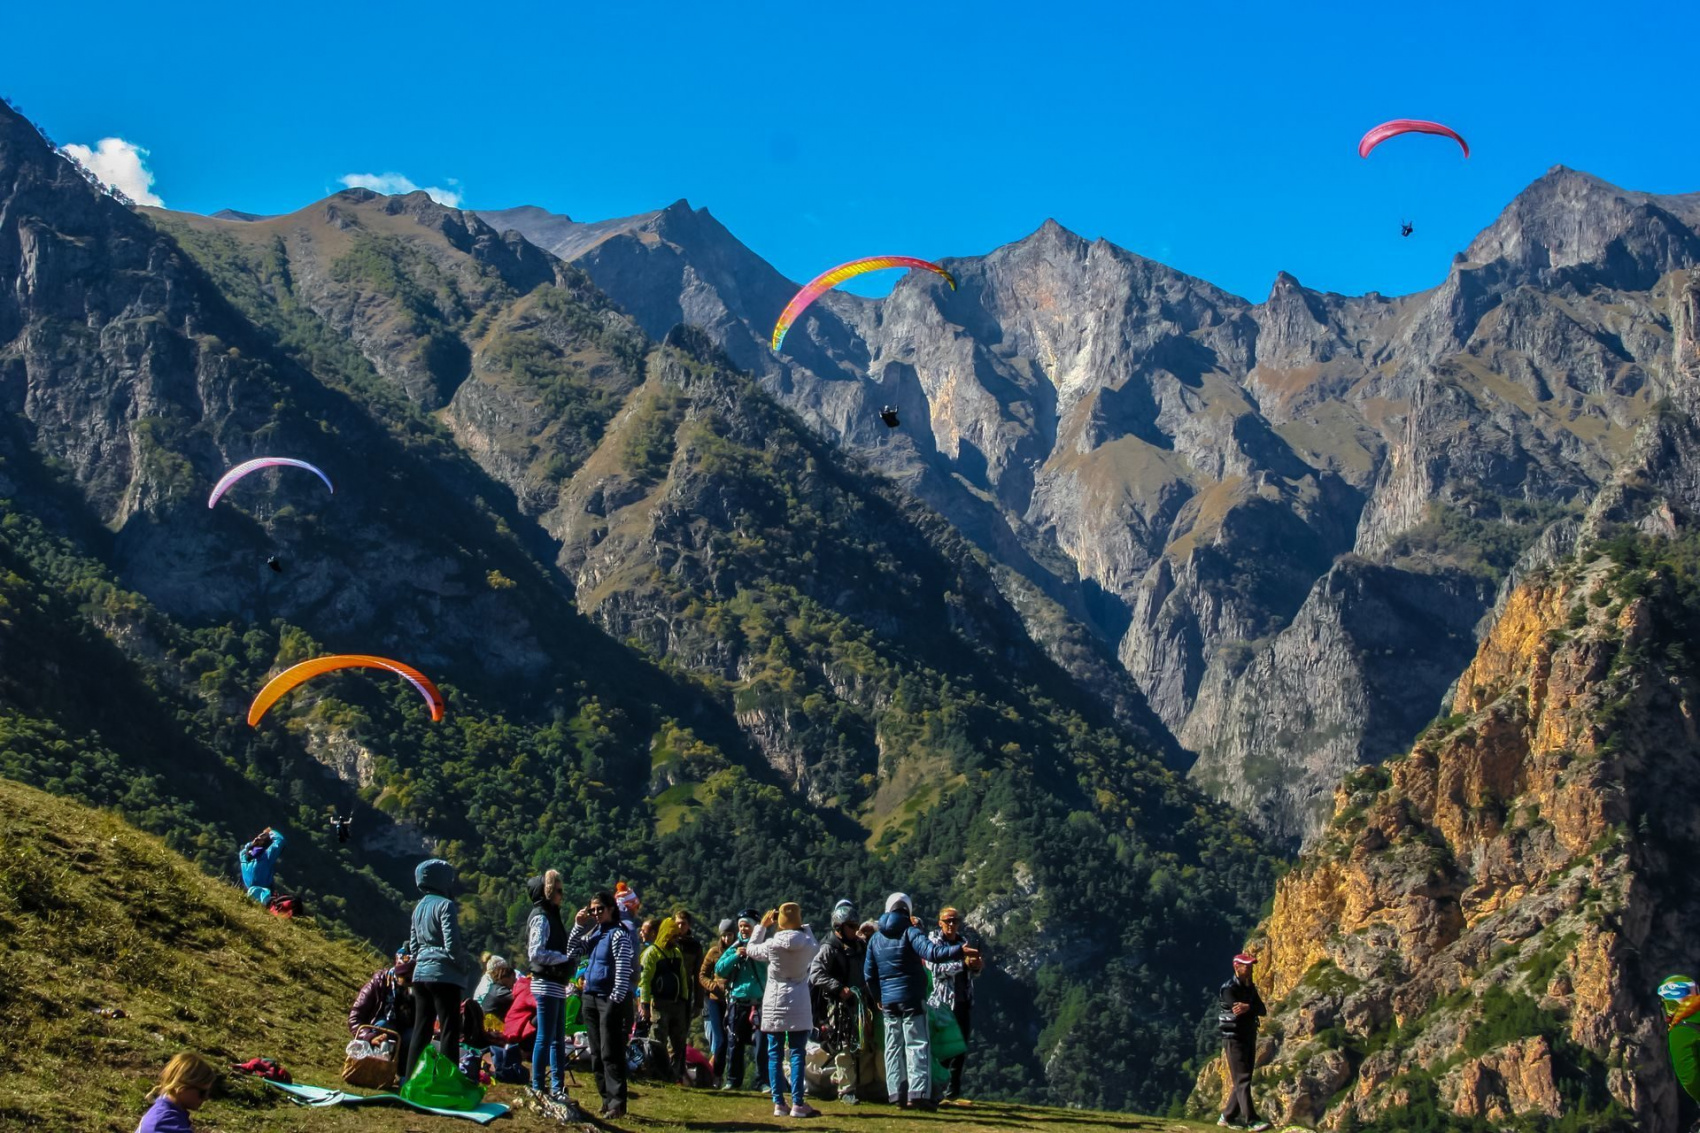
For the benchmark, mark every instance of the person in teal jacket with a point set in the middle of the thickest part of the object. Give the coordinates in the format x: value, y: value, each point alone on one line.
x: 440, y: 961
x: 258, y: 861
x: 746, y: 981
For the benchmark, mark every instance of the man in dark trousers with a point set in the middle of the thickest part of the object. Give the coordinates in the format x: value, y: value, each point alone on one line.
x: 607, y: 1003
x: 1241, y: 1007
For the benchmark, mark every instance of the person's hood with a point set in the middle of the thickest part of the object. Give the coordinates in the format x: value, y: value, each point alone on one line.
x: 534, y: 889
x: 894, y: 924
x: 896, y: 899
x: 434, y: 875
x: 666, y: 933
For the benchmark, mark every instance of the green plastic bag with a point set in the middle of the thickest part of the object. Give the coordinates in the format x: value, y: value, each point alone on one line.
x: 571, y: 1014
x: 946, y: 1034
x: 438, y: 1083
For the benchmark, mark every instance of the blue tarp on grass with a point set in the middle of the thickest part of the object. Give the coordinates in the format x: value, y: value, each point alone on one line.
x: 318, y: 1095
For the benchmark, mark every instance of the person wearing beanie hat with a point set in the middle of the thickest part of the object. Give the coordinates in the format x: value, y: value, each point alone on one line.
x: 441, y: 964
x: 1241, y: 1007
x: 896, y: 973
x: 746, y: 982
x: 716, y: 1008
x: 953, y: 990
x: 787, y: 1011
x: 841, y: 999
x: 627, y: 899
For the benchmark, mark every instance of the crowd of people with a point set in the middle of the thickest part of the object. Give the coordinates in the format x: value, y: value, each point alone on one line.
x: 873, y: 999
x: 758, y: 996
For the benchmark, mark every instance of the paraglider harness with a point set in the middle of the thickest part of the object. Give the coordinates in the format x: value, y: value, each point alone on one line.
x: 284, y: 905
x: 845, y: 1028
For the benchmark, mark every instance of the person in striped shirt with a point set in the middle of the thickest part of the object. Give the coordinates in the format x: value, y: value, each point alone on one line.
x: 607, y: 1012
x: 546, y: 946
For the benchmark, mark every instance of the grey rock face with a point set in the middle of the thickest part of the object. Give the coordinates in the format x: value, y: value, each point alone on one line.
x: 1177, y: 470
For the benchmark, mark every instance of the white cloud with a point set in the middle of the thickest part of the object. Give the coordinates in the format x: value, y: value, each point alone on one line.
x: 394, y: 183
x: 118, y: 163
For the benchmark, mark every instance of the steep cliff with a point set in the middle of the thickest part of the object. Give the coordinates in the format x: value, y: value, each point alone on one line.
x: 1478, y: 930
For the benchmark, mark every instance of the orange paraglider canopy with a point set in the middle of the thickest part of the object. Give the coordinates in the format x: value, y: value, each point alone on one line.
x: 307, y: 670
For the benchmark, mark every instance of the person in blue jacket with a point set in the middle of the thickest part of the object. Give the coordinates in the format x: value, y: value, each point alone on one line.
x: 258, y: 861
x: 896, y: 971
x: 599, y: 935
x: 441, y: 963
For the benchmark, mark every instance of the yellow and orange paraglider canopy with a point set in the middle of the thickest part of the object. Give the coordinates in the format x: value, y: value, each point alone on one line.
x: 307, y: 670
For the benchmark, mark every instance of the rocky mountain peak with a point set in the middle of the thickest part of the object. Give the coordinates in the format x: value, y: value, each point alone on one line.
x: 1567, y: 219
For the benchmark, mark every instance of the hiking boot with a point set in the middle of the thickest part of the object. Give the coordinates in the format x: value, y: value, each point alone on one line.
x: 613, y: 1110
x: 804, y: 1109
x: 780, y: 1109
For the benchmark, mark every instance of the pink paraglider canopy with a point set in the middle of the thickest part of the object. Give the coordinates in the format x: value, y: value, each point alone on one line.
x: 1408, y: 126
x: 247, y: 466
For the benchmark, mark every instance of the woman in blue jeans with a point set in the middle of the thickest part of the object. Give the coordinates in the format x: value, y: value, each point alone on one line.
x: 551, y: 971
x: 787, y: 1009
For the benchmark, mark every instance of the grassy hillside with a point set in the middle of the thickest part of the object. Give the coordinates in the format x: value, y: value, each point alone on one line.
x: 95, y: 914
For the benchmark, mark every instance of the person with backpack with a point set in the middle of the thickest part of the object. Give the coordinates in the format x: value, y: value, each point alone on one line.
x: 895, y: 970
x: 184, y: 1086
x: 691, y: 949
x: 257, y: 861
x: 787, y: 1009
x: 840, y: 995
x: 546, y: 950
x: 664, y: 996
x: 441, y: 963
x: 716, y: 1011
x: 746, y: 981
x: 953, y: 990
x: 600, y: 935
x: 1241, y: 1005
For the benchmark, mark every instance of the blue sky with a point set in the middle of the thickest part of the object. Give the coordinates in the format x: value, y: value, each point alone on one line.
x: 1216, y: 138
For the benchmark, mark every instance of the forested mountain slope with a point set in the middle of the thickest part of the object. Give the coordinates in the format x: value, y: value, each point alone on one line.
x: 682, y: 641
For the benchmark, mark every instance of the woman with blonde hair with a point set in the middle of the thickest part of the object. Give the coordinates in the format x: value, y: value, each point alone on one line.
x: 184, y: 1085
x: 787, y: 1009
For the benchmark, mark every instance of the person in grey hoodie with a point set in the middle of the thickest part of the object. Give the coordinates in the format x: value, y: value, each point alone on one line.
x: 441, y: 963
x: 896, y: 974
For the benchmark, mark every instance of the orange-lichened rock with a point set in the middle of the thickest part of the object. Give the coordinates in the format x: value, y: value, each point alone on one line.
x: 1478, y: 930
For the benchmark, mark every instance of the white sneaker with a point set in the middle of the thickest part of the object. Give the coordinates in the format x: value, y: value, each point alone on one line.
x: 1225, y: 1123
x: 782, y: 1111
x: 1258, y: 1126
x: 803, y: 1109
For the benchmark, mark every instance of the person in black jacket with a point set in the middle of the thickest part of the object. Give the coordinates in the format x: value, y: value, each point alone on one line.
x: 841, y: 1001
x: 1241, y: 1008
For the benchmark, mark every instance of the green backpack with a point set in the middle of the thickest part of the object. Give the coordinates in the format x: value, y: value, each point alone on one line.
x: 438, y: 1084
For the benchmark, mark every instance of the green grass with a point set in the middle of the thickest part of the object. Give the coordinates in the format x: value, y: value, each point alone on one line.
x: 96, y: 914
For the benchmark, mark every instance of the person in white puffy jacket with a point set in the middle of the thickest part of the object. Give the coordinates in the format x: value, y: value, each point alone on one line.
x: 787, y: 1011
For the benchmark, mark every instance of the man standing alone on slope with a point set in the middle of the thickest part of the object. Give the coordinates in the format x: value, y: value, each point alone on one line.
x: 1241, y: 1006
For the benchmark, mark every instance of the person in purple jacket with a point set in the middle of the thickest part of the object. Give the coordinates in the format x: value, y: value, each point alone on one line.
x: 184, y: 1086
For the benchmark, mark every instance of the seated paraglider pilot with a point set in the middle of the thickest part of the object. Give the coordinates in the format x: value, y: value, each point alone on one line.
x: 1405, y: 228
x: 889, y: 416
x: 258, y: 861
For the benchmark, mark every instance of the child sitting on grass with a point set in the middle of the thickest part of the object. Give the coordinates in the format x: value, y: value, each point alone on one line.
x: 184, y: 1085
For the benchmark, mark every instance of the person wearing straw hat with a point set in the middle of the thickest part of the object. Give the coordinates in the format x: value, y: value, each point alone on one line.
x: 1241, y: 1008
